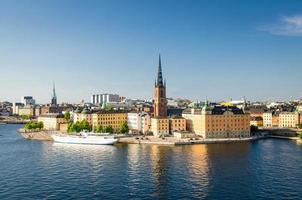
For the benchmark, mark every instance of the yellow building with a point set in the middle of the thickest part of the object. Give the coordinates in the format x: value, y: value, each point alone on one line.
x: 288, y: 119
x: 177, y: 124
x: 103, y: 117
x: 218, y: 121
x: 160, y: 126
x: 53, y: 122
x: 85, y: 114
x: 109, y: 118
x: 256, y: 121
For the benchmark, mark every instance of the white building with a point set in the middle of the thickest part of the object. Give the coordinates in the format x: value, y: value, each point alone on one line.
x: 268, y: 119
x: 28, y: 100
x: 139, y: 122
x: 16, y: 107
x: 104, y: 98
x: 52, y: 121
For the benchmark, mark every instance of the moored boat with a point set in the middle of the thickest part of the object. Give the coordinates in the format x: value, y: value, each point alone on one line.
x: 85, y: 138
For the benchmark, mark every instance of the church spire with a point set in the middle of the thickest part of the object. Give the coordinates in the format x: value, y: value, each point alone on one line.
x: 159, y: 73
x: 54, y: 96
x: 54, y: 91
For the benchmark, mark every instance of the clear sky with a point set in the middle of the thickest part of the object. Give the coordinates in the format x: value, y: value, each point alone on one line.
x: 210, y: 49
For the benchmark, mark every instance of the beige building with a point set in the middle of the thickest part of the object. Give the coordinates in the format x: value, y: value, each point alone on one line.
x: 53, y: 122
x: 288, y: 119
x: 218, y: 121
x: 270, y: 119
x: 104, y: 118
x: 26, y: 110
x: 177, y: 124
x: 160, y: 126
x: 85, y: 114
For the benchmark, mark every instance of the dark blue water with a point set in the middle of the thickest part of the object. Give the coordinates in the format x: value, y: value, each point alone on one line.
x: 266, y: 169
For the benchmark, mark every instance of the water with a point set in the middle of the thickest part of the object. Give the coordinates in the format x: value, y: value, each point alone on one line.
x: 266, y: 169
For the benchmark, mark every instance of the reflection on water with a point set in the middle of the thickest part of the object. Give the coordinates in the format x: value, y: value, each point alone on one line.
x: 266, y: 169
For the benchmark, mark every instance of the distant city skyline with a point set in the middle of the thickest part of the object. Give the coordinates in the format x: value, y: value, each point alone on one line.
x: 213, y: 50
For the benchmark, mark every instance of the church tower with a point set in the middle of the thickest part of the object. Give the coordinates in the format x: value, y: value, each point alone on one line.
x: 54, y: 96
x: 160, y: 101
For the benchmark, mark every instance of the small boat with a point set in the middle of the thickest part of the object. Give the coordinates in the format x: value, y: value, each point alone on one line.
x: 85, y: 138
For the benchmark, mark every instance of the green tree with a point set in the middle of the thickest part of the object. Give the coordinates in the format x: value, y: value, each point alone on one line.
x: 26, y: 117
x: 33, y: 125
x: 40, y: 125
x: 67, y: 115
x: 300, y: 126
x: 85, y: 125
x: 109, y: 129
x: 124, y: 128
x: 300, y: 135
x: 28, y: 126
x: 76, y: 127
x: 69, y: 128
x: 99, y: 129
x: 79, y: 126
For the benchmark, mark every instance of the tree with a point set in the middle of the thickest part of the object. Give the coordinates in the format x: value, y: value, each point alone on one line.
x: 124, y: 128
x: 99, y: 129
x: 109, y: 129
x: 25, y: 117
x: 300, y: 135
x: 74, y: 127
x: 254, y: 128
x: 67, y: 115
x: 79, y: 126
x: 40, y: 125
x: 34, y: 125
x: 300, y: 126
x: 85, y: 125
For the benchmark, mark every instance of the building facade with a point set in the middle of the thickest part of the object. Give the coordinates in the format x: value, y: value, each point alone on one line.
x: 271, y: 119
x: 218, y: 122
x: 28, y: 100
x: 98, y: 99
x: 53, y: 122
x: 160, y: 126
x: 289, y: 119
x: 177, y: 124
x: 103, y: 118
x: 256, y: 121
x: 139, y: 122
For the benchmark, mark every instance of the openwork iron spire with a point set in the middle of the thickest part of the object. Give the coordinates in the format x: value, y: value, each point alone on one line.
x: 54, y: 95
x: 159, y: 73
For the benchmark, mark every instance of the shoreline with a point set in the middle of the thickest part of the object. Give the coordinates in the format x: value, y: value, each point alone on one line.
x: 152, y: 140
x: 175, y: 141
x: 46, y: 136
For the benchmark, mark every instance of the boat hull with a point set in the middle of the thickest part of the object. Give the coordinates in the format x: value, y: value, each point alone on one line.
x: 95, y: 140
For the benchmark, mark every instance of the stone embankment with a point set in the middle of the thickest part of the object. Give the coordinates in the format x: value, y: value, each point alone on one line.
x: 36, y: 135
x: 176, y: 141
x: 283, y: 132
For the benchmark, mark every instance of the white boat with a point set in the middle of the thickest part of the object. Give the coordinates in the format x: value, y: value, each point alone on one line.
x: 85, y: 138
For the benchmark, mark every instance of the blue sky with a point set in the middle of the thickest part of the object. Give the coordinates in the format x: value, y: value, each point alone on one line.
x: 210, y: 49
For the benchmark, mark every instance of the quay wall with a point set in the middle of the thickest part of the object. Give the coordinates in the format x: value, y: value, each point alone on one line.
x: 36, y: 135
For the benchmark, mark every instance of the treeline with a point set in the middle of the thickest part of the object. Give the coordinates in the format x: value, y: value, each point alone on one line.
x: 79, y: 126
x: 34, y: 125
x: 84, y: 125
